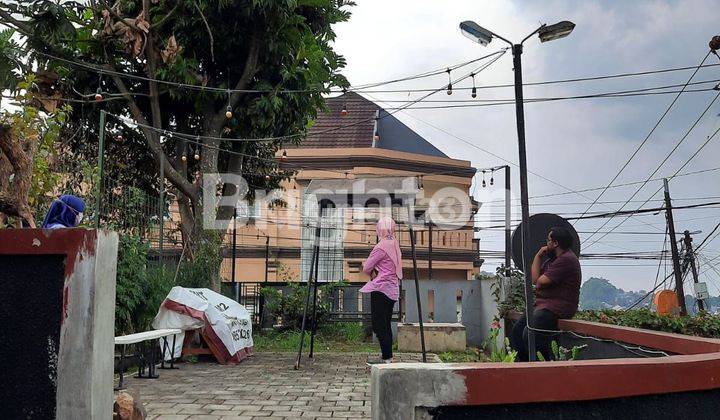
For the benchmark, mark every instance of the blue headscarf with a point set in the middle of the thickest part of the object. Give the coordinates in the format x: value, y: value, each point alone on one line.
x: 64, y: 212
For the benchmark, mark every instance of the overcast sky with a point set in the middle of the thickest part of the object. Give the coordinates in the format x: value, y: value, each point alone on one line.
x: 579, y: 143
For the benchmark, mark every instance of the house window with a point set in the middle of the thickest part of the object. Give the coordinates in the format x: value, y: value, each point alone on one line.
x: 331, y: 247
x: 248, y: 212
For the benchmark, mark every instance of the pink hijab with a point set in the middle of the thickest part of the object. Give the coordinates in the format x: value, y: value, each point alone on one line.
x: 388, y: 243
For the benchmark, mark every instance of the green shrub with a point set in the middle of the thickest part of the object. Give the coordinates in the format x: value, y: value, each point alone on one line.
x: 203, y: 269
x: 289, y: 306
x: 703, y: 325
x: 140, y: 288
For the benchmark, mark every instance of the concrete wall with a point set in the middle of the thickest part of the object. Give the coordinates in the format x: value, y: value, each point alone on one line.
x: 81, y: 363
x: 477, y: 307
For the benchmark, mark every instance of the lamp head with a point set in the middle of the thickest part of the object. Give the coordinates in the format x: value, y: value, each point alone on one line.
x: 556, y: 31
x: 475, y: 32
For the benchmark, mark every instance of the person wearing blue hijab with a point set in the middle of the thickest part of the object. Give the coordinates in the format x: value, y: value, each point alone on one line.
x: 66, y: 212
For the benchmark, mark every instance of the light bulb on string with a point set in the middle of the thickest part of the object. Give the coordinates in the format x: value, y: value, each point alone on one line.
x: 284, y: 155
x: 98, y: 95
x: 228, y: 112
x: 420, y: 183
x: 474, y: 89
x: 197, y: 149
x: 492, y: 177
x: 483, y: 179
x: 449, y: 87
x: 183, y: 157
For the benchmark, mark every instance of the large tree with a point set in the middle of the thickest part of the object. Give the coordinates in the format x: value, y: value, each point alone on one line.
x: 271, y: 59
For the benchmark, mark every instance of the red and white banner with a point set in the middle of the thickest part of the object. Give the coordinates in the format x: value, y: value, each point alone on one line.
x: 226, y: 325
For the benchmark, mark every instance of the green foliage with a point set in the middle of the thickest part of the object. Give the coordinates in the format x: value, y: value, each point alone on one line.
x: 703, y: 325
x: 288, y: 307
x: 203, y: 269
x: 561, y: 353
x: 8, y: 60
x: 471, y: 355
x: 340, y: 336
x: 500, y: 350
x: 140, y: 288
x: 512, y: 298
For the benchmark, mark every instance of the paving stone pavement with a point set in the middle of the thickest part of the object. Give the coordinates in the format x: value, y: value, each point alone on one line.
x: 265, y: 386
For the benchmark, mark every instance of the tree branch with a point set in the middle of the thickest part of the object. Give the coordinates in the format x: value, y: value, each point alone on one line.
x: 248, y: 73
x: 20, y: 25
x: 155, y: 147
x: 212, y: 39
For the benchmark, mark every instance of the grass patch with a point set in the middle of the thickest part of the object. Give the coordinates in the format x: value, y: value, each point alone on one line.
x: 331, y: 337
x: 467, y: 356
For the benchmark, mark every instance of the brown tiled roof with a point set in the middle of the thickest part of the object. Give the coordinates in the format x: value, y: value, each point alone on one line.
x: 356, y: 128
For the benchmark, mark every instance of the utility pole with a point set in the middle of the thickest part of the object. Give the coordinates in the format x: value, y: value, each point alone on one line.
x: 674, y: 249
x: 508, y: 211
x: 236, y: 285
x: 690, y: 257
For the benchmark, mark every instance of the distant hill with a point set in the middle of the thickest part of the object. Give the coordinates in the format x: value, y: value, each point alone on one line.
x: 599, y: 293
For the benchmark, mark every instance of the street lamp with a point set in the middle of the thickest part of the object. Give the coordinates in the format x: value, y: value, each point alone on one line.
x: 483, y: 37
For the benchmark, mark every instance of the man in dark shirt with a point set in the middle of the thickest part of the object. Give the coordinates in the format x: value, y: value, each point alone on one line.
x: 557, y: 292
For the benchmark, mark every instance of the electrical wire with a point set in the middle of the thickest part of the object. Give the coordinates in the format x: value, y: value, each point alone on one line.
x: 687, y: 162
x: 650, y: 133
x: 101, y: 70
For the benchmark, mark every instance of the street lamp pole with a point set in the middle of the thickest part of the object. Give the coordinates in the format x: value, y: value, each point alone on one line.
x: 546, y: 33
x: 524, y: 201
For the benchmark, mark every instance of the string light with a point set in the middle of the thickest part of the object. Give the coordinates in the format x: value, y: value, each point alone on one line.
x: 228, y: 113
x: 492, y: 177
x: 449, y: 87
x: 197, y: 149
x: 98, y: 95
x: 344, y: 111
x: 284, y: 155
x: 474, y: 89
x: 483, y: 179
x: 420, y: 182
x: 183, y: 157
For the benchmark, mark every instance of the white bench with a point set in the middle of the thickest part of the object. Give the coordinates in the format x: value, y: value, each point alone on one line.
x: 142, y: 337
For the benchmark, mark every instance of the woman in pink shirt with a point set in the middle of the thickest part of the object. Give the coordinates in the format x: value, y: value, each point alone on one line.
x: 386, y: 260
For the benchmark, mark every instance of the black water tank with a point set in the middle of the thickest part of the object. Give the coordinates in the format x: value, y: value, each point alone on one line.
x: 540, y: 225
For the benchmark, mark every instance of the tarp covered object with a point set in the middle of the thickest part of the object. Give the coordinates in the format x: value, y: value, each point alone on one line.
x: 225, y: 324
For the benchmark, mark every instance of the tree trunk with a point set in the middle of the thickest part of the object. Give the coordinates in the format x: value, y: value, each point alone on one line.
x: 19, y: 154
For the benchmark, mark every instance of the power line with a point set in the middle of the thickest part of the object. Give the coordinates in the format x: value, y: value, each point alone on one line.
x: 667, y: 157
x: 188, y: 136
x: 227, y: 90
x: 100, y: 70
x: 687, y: 162
x: 650, y: 133
x: 471, y: 144
x: 556, y: 99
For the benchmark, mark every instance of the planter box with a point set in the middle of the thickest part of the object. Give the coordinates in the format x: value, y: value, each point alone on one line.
x: 657, y: 387
x: 439, y: 337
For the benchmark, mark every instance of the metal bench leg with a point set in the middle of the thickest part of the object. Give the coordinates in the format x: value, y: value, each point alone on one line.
x: 141, y: 360
x: 122, y: 369
x: 172, y: 353
x: 152, y: 371
x: 162, y: 356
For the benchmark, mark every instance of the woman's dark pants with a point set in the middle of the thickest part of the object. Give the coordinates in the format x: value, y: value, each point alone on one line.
x: 381, y: 308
